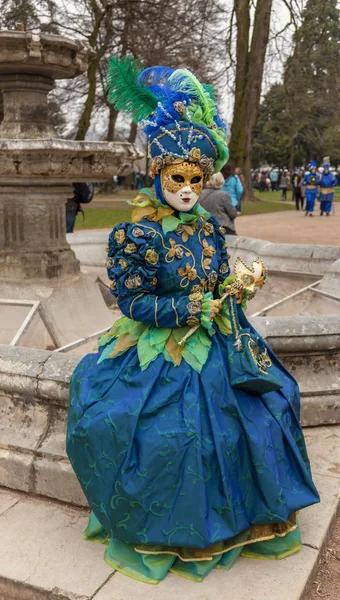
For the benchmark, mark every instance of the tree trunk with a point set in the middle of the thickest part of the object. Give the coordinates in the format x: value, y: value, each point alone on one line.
x: 113, y: 114
x: 242, y: 56
x: 85, y: 119
x: 133, y: 133
x: 249, y: 73
x: 292, y: 154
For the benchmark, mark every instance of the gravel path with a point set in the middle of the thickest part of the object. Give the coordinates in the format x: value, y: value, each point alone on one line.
x: 292, y: 227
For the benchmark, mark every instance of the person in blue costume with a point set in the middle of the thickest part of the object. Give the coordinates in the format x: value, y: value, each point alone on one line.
x: 183, y: 470
x: 311, y: 181
x: 327, y: 184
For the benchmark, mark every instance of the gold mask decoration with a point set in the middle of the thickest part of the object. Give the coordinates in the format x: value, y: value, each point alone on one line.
x: 180, y: 175
x: 252, y: 277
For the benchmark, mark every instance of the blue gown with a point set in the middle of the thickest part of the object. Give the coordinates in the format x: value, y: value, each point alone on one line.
x: 182, y: 472
x: 311, y: 182
x: 327, y: 184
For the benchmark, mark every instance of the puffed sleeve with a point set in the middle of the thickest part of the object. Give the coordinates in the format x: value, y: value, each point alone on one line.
x: 133, y: 262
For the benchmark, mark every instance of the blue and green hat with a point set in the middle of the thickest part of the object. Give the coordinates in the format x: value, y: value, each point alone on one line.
x: 179, y: 114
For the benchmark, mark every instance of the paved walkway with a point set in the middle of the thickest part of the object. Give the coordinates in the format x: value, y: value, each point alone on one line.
x: 286, y: 227
x: 43, y: 556
x: 292, y: 227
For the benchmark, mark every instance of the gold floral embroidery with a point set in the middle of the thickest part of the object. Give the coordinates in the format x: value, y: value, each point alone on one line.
x: 208, y: 228
x: 197, y: 293
x: 153, y: 282
x: 151, y: 256
x: 123, y: 263
x: 113, y: 285
x: 195, y: 154
x: 194, y: 308
x: 188, y: 273
x: 176, y: 251
x: 185, y: 230
x: 130, y: 248
x: 192, y: 321
x: 222, y: 229
x: 120, y: 236
x: 110, y: 263
x: 208, y: 250
x: 137, y: 232
x: 133, y: 282
x: 223, y: 269
x: 212, y: 281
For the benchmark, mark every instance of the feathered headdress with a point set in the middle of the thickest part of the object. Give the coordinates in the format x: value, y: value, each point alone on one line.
x: 179, y: 114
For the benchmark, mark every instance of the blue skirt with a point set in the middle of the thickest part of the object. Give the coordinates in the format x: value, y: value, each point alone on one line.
x: 171, y: 457
x: 326, y: 201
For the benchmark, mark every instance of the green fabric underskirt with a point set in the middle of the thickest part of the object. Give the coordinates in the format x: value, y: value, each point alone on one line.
x: 149, y: 568
x: 152, y: 341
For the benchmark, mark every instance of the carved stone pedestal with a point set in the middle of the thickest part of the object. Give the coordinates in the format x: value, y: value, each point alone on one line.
x: 38, y: 269
x: 32, y: 242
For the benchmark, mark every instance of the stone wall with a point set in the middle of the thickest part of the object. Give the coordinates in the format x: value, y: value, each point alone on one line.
x: 298, y: 258
x: 34, y: 398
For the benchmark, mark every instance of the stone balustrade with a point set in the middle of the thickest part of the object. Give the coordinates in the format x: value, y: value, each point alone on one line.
x: 34, y: 398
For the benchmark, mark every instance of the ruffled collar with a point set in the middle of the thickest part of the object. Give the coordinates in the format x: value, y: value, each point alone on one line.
x: 146, y: 204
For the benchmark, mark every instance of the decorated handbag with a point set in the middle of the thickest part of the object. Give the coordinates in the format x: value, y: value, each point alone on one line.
x: 250, y: 367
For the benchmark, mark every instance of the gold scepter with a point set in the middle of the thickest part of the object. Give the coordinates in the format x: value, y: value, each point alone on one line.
x: 247, y: 279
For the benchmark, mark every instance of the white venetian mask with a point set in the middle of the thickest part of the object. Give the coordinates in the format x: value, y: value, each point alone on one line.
x: 181, y: 185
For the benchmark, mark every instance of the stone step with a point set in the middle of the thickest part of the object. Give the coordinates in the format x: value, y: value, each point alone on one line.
x: 43, y: 556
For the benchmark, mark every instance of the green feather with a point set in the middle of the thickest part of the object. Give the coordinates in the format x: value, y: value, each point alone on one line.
x: 209, y: 88
x: 125, y: 93
x: 185, y: 81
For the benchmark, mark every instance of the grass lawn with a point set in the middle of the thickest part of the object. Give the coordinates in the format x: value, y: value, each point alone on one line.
x: 109, y: 209
x: 101, y: 218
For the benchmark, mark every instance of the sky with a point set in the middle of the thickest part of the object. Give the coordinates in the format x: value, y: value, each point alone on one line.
x: 278, y: 50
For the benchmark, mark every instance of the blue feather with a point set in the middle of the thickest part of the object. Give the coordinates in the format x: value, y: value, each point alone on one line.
x: 154, y: 76
x: 161, y: 92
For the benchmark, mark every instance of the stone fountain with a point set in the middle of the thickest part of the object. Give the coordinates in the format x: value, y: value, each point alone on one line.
x: 37, y: 170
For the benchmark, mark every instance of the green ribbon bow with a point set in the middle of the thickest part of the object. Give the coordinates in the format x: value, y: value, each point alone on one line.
x: 169, y: 222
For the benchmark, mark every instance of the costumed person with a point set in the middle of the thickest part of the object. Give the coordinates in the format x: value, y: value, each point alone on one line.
x: 327, y: 184
x: 183, y: 426
x: 311, y: 182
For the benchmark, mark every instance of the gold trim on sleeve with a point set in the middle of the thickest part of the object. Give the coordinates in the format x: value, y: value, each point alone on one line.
x: 131, y: 305
x: 175, y: 311
x: 156, y: 308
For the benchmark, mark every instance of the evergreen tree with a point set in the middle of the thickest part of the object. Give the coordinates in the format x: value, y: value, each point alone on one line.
x: 312, y: 82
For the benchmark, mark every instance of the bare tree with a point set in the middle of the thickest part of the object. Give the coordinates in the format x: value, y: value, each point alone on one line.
x: 250, y: 58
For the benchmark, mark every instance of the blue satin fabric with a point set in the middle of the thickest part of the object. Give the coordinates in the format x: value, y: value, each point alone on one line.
x: 175, y: 457
x: 326, y: 201
x: 160, y: 296
x: 310, y: 199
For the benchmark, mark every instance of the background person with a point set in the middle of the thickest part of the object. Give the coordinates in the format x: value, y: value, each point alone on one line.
x: 274, y: 179
x: 232, y: 185
x: 218, y: 203
x: 296, y: 188
x: 284, y: 183
x: 328, y: 182
x: 83, y: 194
x: 311, y: 182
